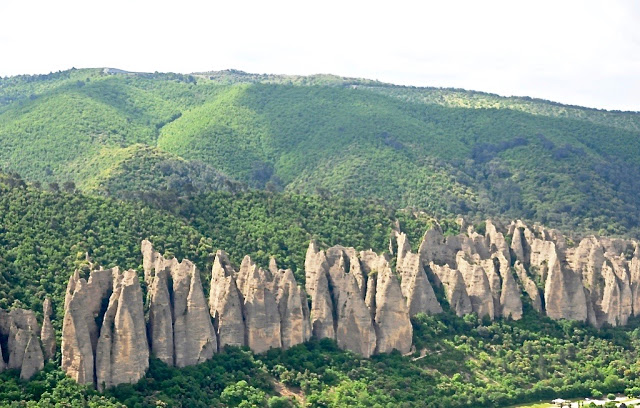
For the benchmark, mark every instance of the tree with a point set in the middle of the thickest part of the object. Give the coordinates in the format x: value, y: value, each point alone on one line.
x: 242, y: 395
x: 69, y: 187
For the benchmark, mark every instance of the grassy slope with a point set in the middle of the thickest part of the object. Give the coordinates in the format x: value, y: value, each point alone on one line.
x: 446, y: 151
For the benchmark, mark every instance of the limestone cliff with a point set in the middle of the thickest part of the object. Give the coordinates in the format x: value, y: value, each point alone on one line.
x: 357, y: 299
x: 20, y: 330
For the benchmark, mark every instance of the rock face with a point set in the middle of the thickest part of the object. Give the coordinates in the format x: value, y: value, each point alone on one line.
x: 357, y: 299
x: 295, y: 327
x: 392, y: 323
x: 20, y: 329
x: 104, y: 346
x: 262, y: 317
x: 416, y: 288
x: 225, y: 303
x: 122, y: 354
x: 47, y: 334
x: 180, y: 326
x: 79, y: 329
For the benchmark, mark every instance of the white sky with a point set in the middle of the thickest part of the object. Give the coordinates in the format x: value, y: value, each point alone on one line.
x: 583, y: 52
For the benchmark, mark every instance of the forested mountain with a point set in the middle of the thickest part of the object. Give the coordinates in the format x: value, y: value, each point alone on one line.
x: 445, y: 151
x: 459, y: 361
x: 93, y: 161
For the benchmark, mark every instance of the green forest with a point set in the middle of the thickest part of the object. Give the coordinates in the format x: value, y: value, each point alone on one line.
x: 459, y: 362
x: 92, y: 163
x: 444, y: 151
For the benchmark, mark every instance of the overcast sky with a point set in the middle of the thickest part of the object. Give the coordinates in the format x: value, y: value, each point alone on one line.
x: 582, y: 52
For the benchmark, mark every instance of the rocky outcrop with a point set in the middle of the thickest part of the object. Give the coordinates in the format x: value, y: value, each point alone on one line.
x: 455, y: 288
x: 19, y: 330
x: 357, y: 299
x: 47, y: 334
x: 529, y: 286
x: 262, y: 318
x: 477, y: 285
x: 225, y: 303
x: 80, y: 331
x: 416, y: 288
x: 182, y: 333
x: 564, y: 295
x: 122, y: 354
x: 354, y: 326
x: 295, y: 327
x: 104, y: 346
x: 392, y: 324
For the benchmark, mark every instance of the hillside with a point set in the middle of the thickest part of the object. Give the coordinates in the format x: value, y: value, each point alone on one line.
x: 444, y: 151
x: 467, y: 361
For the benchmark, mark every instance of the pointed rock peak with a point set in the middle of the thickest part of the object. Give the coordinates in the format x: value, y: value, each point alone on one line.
x: 313, y: 247
x: 221, y: 265
x: 247, y: 263
x: 403, y: 246
x: 47, y: 309
x: 273, y: 266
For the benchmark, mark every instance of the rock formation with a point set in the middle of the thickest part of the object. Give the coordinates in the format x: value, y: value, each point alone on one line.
x: 392, y: 324
x: 104, y: 347
x: 122, y: 353
x: 19, y: 330
x: 225, y: 303
x: 182, y: 333
x: 357, y: 299
x: 262, y: 318
x: 47, y: 334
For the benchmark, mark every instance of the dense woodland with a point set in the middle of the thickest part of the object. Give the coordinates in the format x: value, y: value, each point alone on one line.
x: 467, y: 362
x: 92, y: 163
x: 444, y: 151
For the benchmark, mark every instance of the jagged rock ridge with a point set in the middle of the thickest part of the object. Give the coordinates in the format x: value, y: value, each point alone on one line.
x: 357, y: 298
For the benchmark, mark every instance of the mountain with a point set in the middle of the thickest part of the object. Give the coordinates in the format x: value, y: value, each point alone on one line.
x: 459, y: 361
x: 445, y: 151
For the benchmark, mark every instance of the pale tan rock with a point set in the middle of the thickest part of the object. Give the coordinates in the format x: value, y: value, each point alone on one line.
x: 77, y: 349
x: 122, y: 354
x: 47, y: 334
x: 160, y: 318
x: 21, y: 329
x: 371, y: 263
x: 433, y: 247
x: 403, y: 247
x: 564, y: 294
x: 478, y: 287
x: 33, y: 358
x: 262, y: 317
x: 354, y: 326
x: 496, y: 242
x: 193, y: 336
x: 322, y: 320
x: 518, y: 245
x: 455, y: 288
x: 225, y: 303
x: 416, y: 287
x: 510, y: 303
x: 355, y: 270
x: 392, y: 324
x: 611, y: 298
x: 634, y: 269
x: 80, y: 331
x: 311, y: 266
x: 529, y: 286
x: 295, y: 327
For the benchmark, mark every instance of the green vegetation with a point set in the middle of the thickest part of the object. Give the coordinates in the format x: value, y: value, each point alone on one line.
x: 465, y: 362
x: 262, y: 164
x: 444, y: 151
x: 44, y: 236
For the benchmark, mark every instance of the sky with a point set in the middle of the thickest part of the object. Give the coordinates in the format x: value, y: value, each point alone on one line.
x: 584, y: 52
